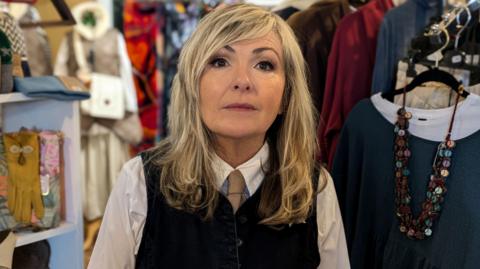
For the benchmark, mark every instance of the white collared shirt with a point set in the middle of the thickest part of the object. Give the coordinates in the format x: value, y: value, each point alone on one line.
x: 122, y: 226
x: 251, y: 170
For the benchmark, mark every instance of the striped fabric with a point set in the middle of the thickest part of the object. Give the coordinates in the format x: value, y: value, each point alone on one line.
x: 11, y: 28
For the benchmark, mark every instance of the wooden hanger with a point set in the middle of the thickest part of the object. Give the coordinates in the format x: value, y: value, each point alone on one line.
x: 62, y: 9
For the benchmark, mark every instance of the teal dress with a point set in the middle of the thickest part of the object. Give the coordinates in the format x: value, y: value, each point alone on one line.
x: 363, y: 173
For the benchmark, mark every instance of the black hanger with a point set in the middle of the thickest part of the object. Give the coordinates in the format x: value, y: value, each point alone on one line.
x: 434, y: 74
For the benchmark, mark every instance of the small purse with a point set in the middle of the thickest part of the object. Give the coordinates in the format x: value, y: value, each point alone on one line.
x: 107, y: 98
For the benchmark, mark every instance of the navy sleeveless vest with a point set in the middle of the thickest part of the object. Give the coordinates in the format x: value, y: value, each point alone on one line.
x: 175, y: 239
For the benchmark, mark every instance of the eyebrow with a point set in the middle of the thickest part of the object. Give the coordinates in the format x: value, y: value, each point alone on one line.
x: 255, y: 51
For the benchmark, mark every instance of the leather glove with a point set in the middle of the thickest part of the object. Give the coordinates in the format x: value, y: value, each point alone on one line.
x: 23, y: 159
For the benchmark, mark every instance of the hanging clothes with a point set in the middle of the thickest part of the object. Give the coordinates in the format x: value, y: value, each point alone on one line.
x: 289, y: 7
x: 105, y: 142
x: 399, y: 26
x: 363, y: 173
x: 9, y: 27
x: 39, y: 53
x: 349, y: 71
x: 142, y: 25
x: 180, y: 20
x: 118, y: 6
x: 314, y: 29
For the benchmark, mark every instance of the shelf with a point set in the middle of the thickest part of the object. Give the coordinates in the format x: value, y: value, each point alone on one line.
x: 25, y: 238
x: 15, y: 97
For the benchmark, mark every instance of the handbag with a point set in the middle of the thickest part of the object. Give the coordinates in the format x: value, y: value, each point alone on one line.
x: 107, y: 97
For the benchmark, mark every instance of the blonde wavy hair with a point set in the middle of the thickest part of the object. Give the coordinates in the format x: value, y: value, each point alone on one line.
x: 187, y: 179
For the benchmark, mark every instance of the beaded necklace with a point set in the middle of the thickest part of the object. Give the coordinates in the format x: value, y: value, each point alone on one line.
x: 420, y: 227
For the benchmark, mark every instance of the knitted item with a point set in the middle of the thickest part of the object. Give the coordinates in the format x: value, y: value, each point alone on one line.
x: 10, y: 27
x: 6, y: 55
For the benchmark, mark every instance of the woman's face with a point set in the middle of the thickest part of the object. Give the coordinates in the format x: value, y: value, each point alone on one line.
x: 241, y: 88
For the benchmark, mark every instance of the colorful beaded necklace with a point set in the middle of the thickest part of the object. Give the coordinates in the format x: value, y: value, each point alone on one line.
x: 420, y: 227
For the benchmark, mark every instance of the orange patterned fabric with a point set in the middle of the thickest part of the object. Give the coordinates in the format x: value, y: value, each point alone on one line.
x: 143, y: 37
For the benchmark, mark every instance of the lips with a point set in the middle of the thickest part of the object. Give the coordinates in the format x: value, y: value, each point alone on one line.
x: 240, y: 106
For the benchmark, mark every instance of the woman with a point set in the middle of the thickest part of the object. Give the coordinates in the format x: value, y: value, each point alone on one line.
x: 234, y: 183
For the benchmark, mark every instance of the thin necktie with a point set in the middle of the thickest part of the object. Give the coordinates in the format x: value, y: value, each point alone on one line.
x: 236, y: 189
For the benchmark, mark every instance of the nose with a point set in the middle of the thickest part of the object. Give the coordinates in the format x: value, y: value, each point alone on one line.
x: 242, y: 79
x: 237, y: 86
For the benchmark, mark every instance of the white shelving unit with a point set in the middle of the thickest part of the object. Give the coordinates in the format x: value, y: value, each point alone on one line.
x: 19, y: 111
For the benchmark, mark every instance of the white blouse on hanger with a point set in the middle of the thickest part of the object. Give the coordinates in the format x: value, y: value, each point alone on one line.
x: 432, y: 124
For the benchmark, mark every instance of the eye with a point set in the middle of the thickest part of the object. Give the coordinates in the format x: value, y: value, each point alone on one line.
x: 265, y: 66
x: 15, y: 149
x: 27, y: 149
x: 219, y: 62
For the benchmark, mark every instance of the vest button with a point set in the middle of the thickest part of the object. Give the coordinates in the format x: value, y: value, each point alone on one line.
x: 239, y: 242
x: 242, y: 219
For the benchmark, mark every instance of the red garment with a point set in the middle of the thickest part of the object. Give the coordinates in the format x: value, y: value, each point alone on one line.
x: 142, y: 28
x: 349, y: 71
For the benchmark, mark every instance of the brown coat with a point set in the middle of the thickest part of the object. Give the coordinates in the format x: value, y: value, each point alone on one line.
x: 315, y: 28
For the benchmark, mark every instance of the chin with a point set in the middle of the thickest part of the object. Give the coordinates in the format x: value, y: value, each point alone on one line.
x: 239, y: 133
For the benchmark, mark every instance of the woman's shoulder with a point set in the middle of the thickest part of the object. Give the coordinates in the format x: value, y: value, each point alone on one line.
x: 132, y: 173
x: 134, y: 165
x: 321, y: 178
x: 325, y: 186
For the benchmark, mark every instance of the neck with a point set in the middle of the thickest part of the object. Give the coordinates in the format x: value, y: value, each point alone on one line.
x: 235, y: 151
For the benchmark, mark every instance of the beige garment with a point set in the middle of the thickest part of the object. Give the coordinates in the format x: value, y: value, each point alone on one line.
x: 103, y: 155
x: 105, y: 143
x: 107, y: 61
x: 7, y: 245
x: 38, y: 46
x: 434, y: 95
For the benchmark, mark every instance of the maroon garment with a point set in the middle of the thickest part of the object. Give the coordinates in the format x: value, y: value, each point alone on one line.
x: 315, y: 28
x: 349, y: 72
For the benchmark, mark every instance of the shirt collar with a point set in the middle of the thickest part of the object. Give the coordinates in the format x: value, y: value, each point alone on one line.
x: 251, y: 170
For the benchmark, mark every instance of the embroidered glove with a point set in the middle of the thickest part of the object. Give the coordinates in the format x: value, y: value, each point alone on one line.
x: 23, y: 159
x: 50, y: 174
